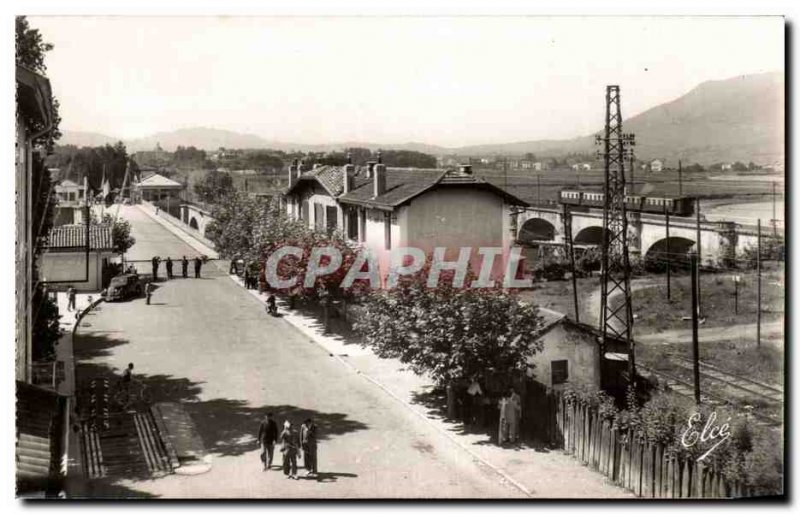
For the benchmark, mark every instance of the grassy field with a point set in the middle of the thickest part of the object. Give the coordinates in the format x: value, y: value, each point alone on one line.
x: 656, y: 314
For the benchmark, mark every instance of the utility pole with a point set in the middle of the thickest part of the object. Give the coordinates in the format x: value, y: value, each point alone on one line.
x: 680, y: 179
x: 669, y: 255
x: 695, y: 328
x: 699, y: 257
x: 758, y: 267
x: 774, y: 216
x: 538, y: 189
x: 616, y: 321
x: 571, y: 250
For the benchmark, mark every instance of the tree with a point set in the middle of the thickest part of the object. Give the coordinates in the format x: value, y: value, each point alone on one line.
x: 452, y: 333
x: 214, y: 186
x: 121, y: 237
x: 30, y: 53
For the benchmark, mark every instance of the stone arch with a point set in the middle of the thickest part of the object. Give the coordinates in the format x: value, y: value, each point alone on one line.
x: 656, y: 256
x: 589, y: 236
x: 193, y: 223
x: 536, y: 229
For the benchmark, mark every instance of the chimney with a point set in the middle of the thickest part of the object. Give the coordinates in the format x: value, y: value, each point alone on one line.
x: 349, y: 171
x: 466, y: 169
x: 294, y: 172
x: 379, y: 174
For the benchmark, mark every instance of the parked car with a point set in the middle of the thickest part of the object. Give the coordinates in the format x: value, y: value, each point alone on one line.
x: 123, y: 287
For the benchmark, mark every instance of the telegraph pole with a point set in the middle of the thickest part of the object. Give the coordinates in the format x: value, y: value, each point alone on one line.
x: 695, y: 328
x: 616, y: 321
x: 680, y: 178
x: 774, y: 216
x: 699, y: 257
x: 539, y: 189
x: 758, y: 267
x: 571, y: 249
x: 669, y: 254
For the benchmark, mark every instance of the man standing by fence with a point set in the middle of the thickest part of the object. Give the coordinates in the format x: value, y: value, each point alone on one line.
x: 71, y: 298
x: 184, y: 267
x: 156, y: 260
x: 169, y: 267
x: 197, y: 265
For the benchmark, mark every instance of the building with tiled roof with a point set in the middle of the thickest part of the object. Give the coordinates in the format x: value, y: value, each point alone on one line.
x: 67, y: 261
x: 384, y: 207
x: 155, y: 187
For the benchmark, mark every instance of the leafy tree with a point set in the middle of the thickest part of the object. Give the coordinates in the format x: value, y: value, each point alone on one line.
x: 30, y: 53
x: 121, y: 237
x: 739, y: 166
x: 214, y: 186
x: 452, y: 333
x: 693, y: 168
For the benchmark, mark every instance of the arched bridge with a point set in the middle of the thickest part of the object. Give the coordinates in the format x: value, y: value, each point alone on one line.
x: 647, y: 236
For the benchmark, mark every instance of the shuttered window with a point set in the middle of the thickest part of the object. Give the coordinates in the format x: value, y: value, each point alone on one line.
x: 560, y: 371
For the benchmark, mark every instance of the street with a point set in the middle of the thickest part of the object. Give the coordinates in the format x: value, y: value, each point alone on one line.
x: 207, y: 343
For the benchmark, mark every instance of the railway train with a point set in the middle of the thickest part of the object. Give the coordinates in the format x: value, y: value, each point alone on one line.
x: 675, y: 205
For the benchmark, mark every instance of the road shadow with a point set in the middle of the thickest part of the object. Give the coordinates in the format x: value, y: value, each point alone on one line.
x: 329, y: 477
x: 227, y: 426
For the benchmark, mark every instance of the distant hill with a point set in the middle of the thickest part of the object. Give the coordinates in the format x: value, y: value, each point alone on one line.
x: 741, y: 118
x: 78, y: 138
x: 738, y: 119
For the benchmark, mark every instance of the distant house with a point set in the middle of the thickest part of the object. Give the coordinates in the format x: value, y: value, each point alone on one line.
x: 71, y: 203
x: 656, y: 165
x: 539, y: 166
x: 384, y: 208
x: 64, y: 259
x: 727, y: 167
x: 156, y: 187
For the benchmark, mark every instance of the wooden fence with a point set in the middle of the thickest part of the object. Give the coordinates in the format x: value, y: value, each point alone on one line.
x: 629, y: 461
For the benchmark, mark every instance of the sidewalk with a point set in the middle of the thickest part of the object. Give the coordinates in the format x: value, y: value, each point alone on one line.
x: 537, y: 473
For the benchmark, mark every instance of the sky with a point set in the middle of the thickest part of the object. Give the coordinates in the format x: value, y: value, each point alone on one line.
x: 449, y: 81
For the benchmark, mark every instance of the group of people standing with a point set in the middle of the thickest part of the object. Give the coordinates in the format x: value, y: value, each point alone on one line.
x: 156, y: 261
x: 478, y: 407
x: 292, y: 444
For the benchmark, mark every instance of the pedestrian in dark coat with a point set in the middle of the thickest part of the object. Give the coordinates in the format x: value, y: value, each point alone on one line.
x: 155, y: 262
x: 308, y: 441
x: 197, y: 264
x: 267, y: 437
x: 290, y: 445
x: 71, y: 298
x: 184, y: 267
x: 247, y: 279
x: 169, y: 267
x: 148, y: 291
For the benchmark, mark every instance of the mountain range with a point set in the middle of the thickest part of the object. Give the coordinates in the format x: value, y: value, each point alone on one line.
x: 737, y: 119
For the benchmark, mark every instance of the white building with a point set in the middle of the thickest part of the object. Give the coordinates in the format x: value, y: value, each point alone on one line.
x: 155, y: 187
x: 384, y: 208
x: 65, y: 259
x: 656, y: 165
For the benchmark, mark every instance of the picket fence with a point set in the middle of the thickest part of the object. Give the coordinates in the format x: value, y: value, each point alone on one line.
x: 629, y: 461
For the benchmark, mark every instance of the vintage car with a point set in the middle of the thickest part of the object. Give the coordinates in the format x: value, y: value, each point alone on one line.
x: 123, y: 287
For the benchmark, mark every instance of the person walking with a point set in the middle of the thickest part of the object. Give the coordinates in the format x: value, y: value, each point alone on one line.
x: 267, y: 436
x: 474, y: 403
x: 197, y: 264
x: 246, y: 278
x: 184, y: 267
x: 169, y: 267
x: 155, y: 260
x: 148, y: 291
x: 308, y: 441
x: 127, y: 378
x: 71, y: 298
x: 290, y: 444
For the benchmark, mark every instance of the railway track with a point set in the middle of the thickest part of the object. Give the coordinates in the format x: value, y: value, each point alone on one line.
x: 750, y: 387
x: 686, y: 389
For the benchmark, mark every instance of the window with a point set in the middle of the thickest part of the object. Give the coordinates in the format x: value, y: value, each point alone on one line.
x: 352, y: 224
x: 387, y: 230
x: 331, y: 219
x: 559, y: 371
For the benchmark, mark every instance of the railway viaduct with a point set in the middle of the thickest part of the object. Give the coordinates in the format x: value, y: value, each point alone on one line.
x: 646, y: 232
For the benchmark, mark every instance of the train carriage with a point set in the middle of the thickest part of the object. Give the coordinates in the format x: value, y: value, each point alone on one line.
x: 676, y: 206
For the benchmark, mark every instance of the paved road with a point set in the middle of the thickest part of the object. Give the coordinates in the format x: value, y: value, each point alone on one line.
x: 208, y: 343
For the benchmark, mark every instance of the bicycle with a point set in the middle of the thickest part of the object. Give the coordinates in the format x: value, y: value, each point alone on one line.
x: 125, y: 398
